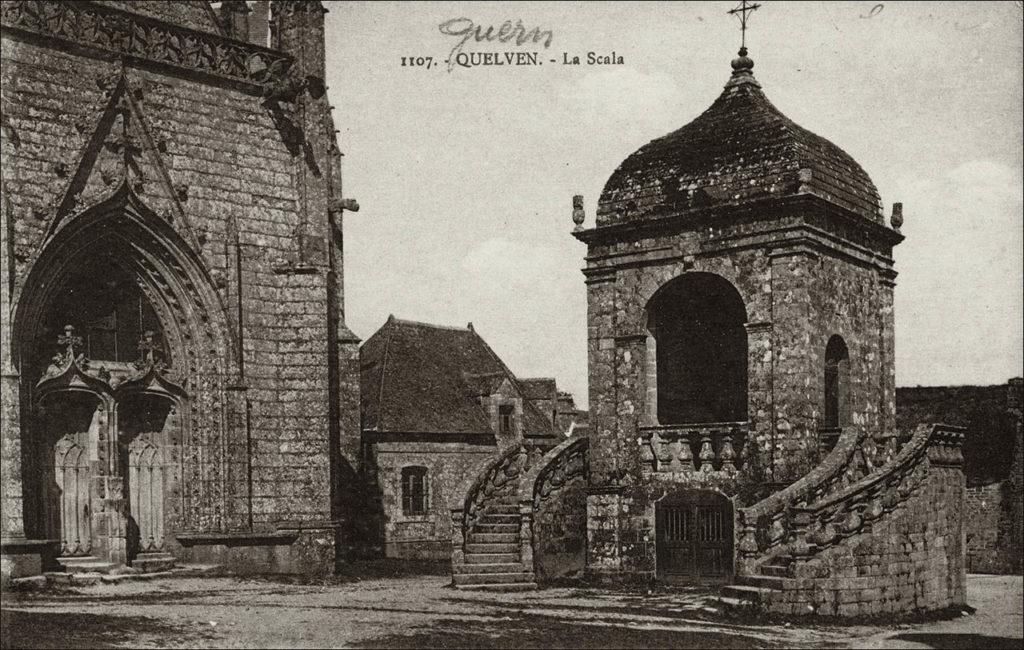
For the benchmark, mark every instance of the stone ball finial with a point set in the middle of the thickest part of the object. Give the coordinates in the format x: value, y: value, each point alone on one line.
x: 578, y: 214
x: 897, y: 216
x: 742, y: 63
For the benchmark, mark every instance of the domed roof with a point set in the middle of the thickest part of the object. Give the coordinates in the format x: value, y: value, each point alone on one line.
x: 741, y: 149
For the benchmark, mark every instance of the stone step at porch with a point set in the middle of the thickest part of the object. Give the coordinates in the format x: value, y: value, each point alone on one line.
x: 778, y: 570
x: 492, y: 578
x: 503, y: 587
x: 480, y: 568
x: 769, y: 582
x: 153, y: 562
x: 491, y: 558
x: 85, y: 564
x: 491, y: 547
x: 747, y: 593
x: 487, y: 538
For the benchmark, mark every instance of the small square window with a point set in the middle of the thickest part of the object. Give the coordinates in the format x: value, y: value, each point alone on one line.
x: 506, y: 415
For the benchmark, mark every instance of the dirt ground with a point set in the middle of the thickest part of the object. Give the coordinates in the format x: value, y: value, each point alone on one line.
x: 420, y: 611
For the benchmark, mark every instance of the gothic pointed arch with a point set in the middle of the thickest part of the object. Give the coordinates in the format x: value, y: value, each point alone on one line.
x: 151, y: 323
x: 123, y: 231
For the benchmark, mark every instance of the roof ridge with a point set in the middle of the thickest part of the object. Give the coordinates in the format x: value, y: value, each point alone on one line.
x: 416, y: 323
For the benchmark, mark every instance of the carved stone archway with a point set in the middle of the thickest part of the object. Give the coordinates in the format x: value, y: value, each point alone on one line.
x: 185, y: 365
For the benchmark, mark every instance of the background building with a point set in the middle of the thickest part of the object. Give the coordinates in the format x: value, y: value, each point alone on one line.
x: 437, y: 405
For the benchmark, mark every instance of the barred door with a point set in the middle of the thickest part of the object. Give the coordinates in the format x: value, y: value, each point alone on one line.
x: 695, y: 539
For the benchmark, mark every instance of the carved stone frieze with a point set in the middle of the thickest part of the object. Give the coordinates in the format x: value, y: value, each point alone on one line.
x: 113, y: 31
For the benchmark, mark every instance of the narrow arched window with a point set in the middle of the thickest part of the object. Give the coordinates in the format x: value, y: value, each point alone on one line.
x: 697, y: 321
x: 837, y: 382
x: 414, y: 490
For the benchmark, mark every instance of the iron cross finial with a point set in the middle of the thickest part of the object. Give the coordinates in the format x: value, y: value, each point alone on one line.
x: 742, y: 12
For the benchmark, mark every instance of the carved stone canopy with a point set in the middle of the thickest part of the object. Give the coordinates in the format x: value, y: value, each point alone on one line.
x: 71, y: 370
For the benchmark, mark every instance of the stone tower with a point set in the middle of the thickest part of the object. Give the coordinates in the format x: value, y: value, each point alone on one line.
x: 178, y: 380
x: 740, y: 321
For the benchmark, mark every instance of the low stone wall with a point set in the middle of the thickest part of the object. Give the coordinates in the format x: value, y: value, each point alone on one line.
x: 309, y: 552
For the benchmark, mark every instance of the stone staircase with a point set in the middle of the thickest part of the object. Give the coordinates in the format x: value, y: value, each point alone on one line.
x: 753, y: 589
x: 492, y: 559
x: 874, y: 545
x: 487, y: 540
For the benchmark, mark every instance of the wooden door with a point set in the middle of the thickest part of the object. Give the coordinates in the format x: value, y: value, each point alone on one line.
x: 71, y: 516
x: 145, y: 496
x: 695, y: 539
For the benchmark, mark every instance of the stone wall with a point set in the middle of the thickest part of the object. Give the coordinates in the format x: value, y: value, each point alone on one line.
x: 988, y: 550
x: 450, y: 468
x: 555, y: 491
x: 992, y: 463
x: 245, y: 184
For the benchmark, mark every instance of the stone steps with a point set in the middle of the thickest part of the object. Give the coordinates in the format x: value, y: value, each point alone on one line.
x: 492, y: 519
x: 153, y: 562
x: 85, y: 564
x: 768, y: 582
x: 496, y: 528
x: 501, y: 509
x: 491, y: 547
x: 491, y: 558
x: 495, y: 567
x: 747, y: 593
x: 492, y: 578
x: 496, y: 538
x: 504, y: 587
x: 776, y: 570
x: 91, y: 578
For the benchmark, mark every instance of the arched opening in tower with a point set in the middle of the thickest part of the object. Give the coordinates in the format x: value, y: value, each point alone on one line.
x: 837, y: 382
x: 697, y: 321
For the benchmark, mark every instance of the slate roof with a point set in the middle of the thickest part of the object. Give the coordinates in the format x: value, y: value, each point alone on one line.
x: 538, y: 388
x: 422, y: 378
x: 740, y: 149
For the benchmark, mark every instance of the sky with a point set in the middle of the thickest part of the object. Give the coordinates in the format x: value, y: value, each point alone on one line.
x: 465, y: 177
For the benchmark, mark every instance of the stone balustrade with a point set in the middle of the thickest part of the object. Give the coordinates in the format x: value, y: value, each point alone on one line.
x: 765, y: 526
x: 686, y: 448
x: 140, y: 38
x: 845, y: 513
